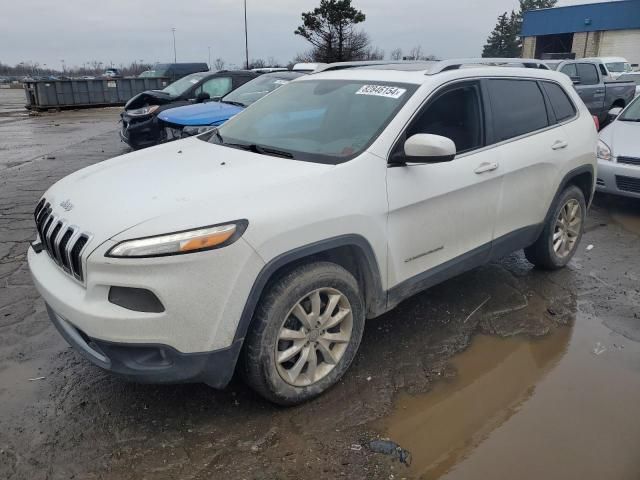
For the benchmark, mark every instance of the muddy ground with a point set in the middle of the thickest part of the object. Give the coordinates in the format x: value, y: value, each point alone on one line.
x: 503, y: 372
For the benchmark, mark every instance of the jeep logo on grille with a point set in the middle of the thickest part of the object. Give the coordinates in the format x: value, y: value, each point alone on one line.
x: 67, y: 205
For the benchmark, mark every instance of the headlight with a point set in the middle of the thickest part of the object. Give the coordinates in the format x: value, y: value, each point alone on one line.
x: 205, y: 238
x: 148, y: 110
x: 604, y: 152
x: 196, y: 130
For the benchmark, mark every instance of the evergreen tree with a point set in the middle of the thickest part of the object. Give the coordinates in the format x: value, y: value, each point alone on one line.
x: 503, y: 41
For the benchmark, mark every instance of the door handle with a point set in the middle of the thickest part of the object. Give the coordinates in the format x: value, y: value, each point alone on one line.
x: 486, y: 167
x: 559, y: 144
x: 599, y: 91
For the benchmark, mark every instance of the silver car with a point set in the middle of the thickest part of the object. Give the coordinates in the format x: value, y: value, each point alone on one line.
x: 619, y: 153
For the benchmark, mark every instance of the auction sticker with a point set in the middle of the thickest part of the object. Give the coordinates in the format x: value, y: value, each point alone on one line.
x: 280, y: 82
x: 381, y: 91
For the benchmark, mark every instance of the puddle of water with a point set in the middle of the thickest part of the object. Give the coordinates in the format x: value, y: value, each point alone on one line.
x: 545, y: 408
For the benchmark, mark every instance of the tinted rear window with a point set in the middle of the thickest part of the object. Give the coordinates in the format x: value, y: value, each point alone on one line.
x: 518, y: 108
x: 560, y: 102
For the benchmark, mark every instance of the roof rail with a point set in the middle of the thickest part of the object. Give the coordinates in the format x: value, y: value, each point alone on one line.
x: 364, y: 63
x: 457, y: 63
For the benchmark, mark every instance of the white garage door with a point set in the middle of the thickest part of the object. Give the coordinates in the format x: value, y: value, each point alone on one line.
x: 621, y: 43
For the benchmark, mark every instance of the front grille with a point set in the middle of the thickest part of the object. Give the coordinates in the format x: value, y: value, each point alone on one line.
x: 628, y: 184
x: 63, y: 242
x: 629, y: 160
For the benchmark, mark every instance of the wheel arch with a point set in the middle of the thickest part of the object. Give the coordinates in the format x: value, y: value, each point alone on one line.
x: 582, y: 177
x: 352, y: 252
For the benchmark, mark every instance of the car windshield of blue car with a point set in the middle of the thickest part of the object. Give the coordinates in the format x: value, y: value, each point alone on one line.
x: 324, y: 121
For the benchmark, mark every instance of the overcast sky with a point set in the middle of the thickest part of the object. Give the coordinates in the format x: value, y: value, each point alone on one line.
x: 121, y: 31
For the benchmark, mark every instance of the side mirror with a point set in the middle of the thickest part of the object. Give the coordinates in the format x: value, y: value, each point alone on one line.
x: 575, y: 80
x: 427, y: 148
x: 614, y: 112
x: 202, y: 96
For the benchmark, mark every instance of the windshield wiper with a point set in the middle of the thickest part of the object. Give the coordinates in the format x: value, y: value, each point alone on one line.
x: 237, y: 104
x: 252, y: 147
x: 629, y: 119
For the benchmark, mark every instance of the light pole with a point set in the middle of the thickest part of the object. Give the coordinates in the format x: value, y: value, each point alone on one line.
x: 246, y: 37
x: 173, y: 30
x: 209, y: 58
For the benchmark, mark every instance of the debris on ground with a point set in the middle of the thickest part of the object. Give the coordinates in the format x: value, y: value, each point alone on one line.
x: 477, y: 308
x: 589, y: 248
x: 599, y: 349
x: 356, y: 447
x: 36, y: 378
x: 389, y: 447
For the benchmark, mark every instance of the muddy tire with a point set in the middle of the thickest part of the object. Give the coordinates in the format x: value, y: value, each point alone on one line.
x: 305, y: 333
x: 562, y: 232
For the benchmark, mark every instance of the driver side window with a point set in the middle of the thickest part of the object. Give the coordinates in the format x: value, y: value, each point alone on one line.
x: 455, y: 114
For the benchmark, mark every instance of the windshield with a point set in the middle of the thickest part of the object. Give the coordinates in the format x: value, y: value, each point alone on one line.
x: 632, y: 113
x: 616, y: 67
x: 179, y: 87
x: 258, y: 88
x: 325, y: 121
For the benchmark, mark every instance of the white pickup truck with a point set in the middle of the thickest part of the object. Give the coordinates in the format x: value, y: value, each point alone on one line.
x: 271, y: 239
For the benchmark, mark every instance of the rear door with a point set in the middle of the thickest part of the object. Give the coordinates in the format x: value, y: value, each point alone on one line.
x: 531, y: 147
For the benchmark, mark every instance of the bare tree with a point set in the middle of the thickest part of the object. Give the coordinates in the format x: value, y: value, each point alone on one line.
x: 396, y: 54
x: 416, y: 52
x: 272, y: 62
x: 219, y: 64
x: 257, y: 63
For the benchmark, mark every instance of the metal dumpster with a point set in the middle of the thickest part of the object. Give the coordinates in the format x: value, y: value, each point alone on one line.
x: 60, y: 94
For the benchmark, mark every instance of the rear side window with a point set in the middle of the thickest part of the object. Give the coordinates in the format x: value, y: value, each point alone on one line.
x: 518, y: 108
x: 587, y: 73
x: 560, y: 102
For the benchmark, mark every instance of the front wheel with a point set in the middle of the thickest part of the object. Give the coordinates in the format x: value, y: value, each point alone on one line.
x: 561, y: 235
x: 305, y: 333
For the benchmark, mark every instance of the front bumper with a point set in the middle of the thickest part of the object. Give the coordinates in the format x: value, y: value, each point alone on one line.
x: 151, y: 363
x: 140, y: 132
x: 618, y: 179
x: 202, y: 294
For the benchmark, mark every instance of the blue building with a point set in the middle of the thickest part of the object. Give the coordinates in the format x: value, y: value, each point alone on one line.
x: 606, y: 29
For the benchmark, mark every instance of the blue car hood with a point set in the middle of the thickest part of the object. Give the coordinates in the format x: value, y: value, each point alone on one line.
x: 209, y: 113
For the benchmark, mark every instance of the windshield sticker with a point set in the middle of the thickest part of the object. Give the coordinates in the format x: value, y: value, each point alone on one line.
x: 281, y: 82
x: 381, y: 91
x: 194, y: 80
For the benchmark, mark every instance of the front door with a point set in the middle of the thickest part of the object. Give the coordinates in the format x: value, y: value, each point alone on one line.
x: 442, y: 215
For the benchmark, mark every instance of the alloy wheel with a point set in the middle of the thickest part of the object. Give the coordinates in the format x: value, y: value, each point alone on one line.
x: 313, y: 337
x: 567, y: 228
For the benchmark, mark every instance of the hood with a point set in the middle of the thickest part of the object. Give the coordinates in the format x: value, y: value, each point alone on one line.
x: 149, y: 97
x: 622, y: 138
x: 208, y: 113
x: 179, y: 185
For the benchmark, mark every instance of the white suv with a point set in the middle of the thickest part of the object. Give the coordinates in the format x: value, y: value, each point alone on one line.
x: 327, y: 202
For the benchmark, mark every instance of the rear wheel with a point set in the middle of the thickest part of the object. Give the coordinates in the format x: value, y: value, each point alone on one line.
x: 306, y: 331
x: 561, y: 235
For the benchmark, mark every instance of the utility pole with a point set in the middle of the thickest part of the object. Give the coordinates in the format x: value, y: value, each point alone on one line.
x: 209, y: 58
x: 173, y: 30
x: 246, y: 37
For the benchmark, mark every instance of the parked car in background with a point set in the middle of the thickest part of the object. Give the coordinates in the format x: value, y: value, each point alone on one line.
x: 329, y: 201
x: 112, y: 73
x: 174, y: 71
x: 139, y: 119
x: 632, y: 77
x: 191, y: 120
x: 614, y: 66
x: 619, y: 153
x: 599, y: 93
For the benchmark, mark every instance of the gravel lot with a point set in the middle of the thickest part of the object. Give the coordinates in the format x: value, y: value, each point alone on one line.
x: 541, y: 381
